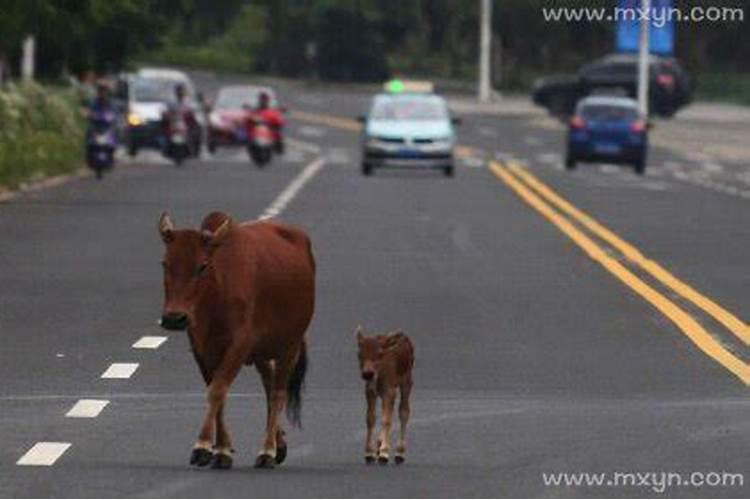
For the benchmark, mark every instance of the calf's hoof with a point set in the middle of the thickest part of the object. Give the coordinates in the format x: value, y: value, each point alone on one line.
x: 369, y: 459
x: 221, y: 461
x: 201, y: 457
x: 383, y: 459
x: 399, y: 459
x: 281, y: 454
x: 265, y: 461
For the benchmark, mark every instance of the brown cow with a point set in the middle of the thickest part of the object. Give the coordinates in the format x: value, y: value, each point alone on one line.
x: 245, y: 293
x: 385, y: 363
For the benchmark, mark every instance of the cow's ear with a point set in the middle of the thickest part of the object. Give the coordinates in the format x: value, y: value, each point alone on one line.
x: 166, y: 227
x: 359, y: 334
x: 216, y: 237
x: 392, y: 339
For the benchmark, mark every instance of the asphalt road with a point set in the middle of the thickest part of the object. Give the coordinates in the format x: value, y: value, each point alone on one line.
x: 532, y: 357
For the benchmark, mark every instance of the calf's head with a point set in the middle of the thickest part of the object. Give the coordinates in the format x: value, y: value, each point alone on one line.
x: 371, y: 352
x: 187, y: 266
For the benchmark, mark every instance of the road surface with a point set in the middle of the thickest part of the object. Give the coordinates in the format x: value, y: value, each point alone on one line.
x: 546, y: 342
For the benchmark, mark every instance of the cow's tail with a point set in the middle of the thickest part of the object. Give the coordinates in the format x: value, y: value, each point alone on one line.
x: 295, y: 386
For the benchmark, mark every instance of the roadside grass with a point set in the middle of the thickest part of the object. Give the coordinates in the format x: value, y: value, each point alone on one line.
x: 41, y: 133
x: 724, y: 87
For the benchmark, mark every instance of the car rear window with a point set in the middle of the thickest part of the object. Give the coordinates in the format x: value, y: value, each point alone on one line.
x: 608, y: 112
x: 153, y: 89
x: 409, y: 110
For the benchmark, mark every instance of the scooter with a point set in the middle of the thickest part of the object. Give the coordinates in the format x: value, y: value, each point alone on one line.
x: 178, y: 141
x: 101, y: 142
x: 260, y: 142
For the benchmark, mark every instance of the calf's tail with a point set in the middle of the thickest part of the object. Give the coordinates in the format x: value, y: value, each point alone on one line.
x: 295, y: 386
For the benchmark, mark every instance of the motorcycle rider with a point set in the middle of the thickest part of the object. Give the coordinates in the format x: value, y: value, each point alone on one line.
x: 271, y: 116
x: 181, y: 108
x: 102, y: 117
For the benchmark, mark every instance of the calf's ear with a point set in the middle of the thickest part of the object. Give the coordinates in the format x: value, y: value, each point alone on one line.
x: 166, y: 227
x: 216, y: 237
x: 359, y: 334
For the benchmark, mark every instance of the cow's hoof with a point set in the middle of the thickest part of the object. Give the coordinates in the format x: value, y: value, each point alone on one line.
x: 281, y: 454
x: 221, y: 461
x: 265, y: 461
x: 201, y: 457
x: 369, y: 460
x: 399, y: 459
x: 383, y: 459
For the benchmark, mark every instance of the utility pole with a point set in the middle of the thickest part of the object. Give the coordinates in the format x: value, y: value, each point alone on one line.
x: 485, y: 49
x: 644, y: 60
x: 27, y: 58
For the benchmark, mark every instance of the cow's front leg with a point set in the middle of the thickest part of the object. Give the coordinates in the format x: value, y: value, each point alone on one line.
x: 389, y: 399
x: 222, y: 379
x: 223, y: 450
x: 370, y: 444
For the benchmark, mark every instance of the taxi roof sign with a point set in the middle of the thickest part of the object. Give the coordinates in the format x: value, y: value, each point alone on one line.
x: 398, y: 86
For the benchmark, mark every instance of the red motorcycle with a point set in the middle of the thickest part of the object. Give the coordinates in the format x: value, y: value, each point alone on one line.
x: 264, y: 135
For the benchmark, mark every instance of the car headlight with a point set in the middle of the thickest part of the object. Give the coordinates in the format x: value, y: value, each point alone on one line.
x: 134, y: 119
x: 442, y: 143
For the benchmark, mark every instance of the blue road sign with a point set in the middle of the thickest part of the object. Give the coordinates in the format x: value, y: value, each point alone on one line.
x: 662, y: 27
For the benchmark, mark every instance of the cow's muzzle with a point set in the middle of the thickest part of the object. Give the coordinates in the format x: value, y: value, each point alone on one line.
x: 174, y: 321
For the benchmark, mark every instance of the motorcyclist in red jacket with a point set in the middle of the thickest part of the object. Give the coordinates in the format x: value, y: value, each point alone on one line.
x: 272, y: 117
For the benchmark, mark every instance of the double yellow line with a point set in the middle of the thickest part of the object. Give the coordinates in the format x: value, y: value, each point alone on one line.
x: 562, y: 214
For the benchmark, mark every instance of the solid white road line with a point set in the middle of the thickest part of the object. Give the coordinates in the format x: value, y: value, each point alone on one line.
x: 286, y: 196
x: 120, y: 370
x: 43, y: 453
x: 149, y: 342
x: 87, y: 408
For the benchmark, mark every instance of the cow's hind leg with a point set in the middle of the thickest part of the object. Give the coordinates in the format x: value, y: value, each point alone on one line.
x: 266, y: 369
x: 223, y: 450
x: 221, y: 380
x: 370, y: 445
x: 403, y: 415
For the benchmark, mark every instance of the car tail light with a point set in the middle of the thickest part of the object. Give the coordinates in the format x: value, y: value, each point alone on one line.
x: 638, y: 127
x: 577, y: 122
x: 665, y: 80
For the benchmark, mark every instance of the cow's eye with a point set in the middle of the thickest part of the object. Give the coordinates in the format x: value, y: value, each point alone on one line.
x: 200, y: 271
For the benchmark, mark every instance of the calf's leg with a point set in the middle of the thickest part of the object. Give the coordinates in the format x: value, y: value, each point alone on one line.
x: 403, y: 415
x: 389, y: 400
x: 370, y: 445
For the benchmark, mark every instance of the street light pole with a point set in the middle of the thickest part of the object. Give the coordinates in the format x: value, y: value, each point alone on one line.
x: 485, y: 44
x: 644, y: 59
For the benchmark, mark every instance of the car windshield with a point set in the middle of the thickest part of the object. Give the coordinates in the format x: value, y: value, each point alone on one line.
x: 608, y: 112
x: 153, y: 89
x: 409, y: 110
x: 237, y: 98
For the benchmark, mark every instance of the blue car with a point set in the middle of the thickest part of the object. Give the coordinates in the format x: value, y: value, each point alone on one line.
x: 408, y: 128
x: 608, y: 129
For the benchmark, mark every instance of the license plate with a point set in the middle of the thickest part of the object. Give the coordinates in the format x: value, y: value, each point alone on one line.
x: 178, y: 139
x: 607, y: 148
x: 101, y: 140
x: 408, y: 153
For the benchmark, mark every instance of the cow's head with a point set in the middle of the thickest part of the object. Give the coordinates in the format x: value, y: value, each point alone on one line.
x: 188, y: 267
x: 371, y: 352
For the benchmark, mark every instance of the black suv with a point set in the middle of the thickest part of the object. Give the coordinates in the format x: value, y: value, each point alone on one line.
x: 670, y: 87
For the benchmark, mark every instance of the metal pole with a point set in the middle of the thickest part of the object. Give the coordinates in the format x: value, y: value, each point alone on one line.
x: 485, y: 49
x: 27, y: 58
x: 643, y: 60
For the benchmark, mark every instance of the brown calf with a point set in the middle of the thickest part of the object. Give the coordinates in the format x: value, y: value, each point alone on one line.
x: 385, y: 363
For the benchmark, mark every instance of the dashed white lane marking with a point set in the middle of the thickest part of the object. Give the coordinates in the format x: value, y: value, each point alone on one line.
x: 120, y: 370
x: 532, y: 141
x: 288, y: 194
x: 44, y: 454
x: 149, y: 342
x: 310, y: 131
x: 87, y: 408
x: 308, y: 147
x: 473, y: 162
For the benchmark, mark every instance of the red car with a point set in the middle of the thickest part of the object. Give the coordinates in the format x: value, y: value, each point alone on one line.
x: 227, y: 123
